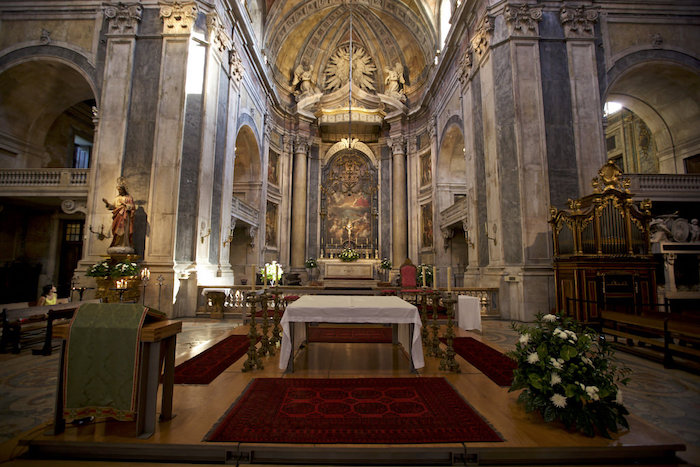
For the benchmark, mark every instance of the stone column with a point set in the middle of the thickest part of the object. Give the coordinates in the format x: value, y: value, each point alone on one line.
x: 122, y: 25
x: 286, y: 187
x: 165, y: 171
x: 399, y: 207
x: 301, y: 148
x: 578, y: 25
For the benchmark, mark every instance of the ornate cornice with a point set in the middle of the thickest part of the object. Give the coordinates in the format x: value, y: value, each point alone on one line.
x: 578, y: 22
x: 522, y: 19
x: 123, y: 18
x: 178, y: 17
x: 482, y: 38
x: 217, y: 33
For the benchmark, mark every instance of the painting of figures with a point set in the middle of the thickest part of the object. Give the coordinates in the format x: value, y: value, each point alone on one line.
x: 427, y: 223
x: 272, y: 168
x: 271, y: 225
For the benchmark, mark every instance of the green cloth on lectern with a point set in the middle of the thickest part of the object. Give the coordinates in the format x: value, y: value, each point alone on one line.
x: 102, y: 361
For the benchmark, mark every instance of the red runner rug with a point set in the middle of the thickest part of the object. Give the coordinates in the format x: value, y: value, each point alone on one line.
x: 498, y: 367
x: 349, y: 334
x: 351, y: 411
x: 204, y: 367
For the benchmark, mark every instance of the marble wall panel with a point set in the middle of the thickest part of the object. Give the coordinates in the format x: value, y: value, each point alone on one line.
x: 313, y: 174
x: 219, y: 164
x: 478, y: 130
x: 385, y: 203
x: 558, y: 114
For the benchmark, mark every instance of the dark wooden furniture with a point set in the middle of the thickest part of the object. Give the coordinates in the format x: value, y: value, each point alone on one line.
x: 602, y: 255
x: 157, y: 341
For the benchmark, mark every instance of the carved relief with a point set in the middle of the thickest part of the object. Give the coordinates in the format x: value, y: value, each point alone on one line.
x: 302, y: 83
x: 123, y: 18
x: 578, y: 22
x: 301, y: 144
x: 394, y: 82
x: 465, y: 65
x: 45, y: 38
x: 363, y: 69
x: 178, y: 17
x: 657, y: 40
x: 482, y: 38
x: 217, y: 33
x: 522, y: 19
x: 235, y: 65
x: 396, y: 144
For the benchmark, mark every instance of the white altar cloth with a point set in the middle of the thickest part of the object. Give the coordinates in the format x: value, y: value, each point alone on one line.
x: 350, y: 309
x: 468, y: 312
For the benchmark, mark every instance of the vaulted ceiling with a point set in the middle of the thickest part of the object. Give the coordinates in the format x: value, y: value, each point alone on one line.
x: 310, y: 32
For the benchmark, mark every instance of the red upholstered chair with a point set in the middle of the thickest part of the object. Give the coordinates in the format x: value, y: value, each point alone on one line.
x: 409, y: 282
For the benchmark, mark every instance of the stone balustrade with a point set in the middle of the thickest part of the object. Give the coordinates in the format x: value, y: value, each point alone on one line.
x: 665, y: 187
x: 44, y: 182
x: 244, y: 211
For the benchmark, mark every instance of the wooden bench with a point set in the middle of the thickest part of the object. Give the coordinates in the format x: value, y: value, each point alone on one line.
x: 657, y: 335
x: 17, y: 321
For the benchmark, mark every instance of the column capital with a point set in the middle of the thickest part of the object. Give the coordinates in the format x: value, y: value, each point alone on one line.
x: 178, y: 17
x: 522, y: 19
x: 578, y: 22
x: 301, y: 144
x: 396, y: 143
x: 482, y: 37
x: 123, y: 18
x: 217, y: 33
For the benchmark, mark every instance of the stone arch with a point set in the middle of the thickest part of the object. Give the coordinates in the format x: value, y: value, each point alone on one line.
x: 663, y: 89
x: 451, y: 163
x: 42, y: 99
x: 247, y: 185
x: 358, y: 145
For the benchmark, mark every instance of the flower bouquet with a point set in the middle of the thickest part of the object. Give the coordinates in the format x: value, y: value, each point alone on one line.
x: 100, y: 269
x: 385, y: 263
x: 310, y: 263
x: 569, y: 374
x: 428, y: 275
x: 126, y: 269
x: 348, y: 255
x: 273, y: 271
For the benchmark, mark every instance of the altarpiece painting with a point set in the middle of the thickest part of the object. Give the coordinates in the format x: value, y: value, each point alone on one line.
x: 271, y: 225
x: 349, y: 204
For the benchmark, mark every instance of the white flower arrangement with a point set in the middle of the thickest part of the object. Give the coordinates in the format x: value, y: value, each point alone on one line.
x: 569, y: 375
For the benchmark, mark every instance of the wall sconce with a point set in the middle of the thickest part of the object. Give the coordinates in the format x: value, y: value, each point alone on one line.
x: 202, y: 237
x: 486, y: 227
x: 101, y: 234
x: 229, y: 239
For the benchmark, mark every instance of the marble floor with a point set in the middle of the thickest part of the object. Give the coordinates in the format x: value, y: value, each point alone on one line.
x: 667, y: 398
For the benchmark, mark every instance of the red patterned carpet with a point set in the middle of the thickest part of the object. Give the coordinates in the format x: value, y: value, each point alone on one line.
x: 498, y: 367
x: 348, y: 334
x: 204, y: 367
x: 351, y: 411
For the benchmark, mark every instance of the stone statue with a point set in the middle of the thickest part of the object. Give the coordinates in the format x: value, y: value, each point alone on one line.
x: 394, y: 82
x: 123, y: 209
x: 694, y: 231
x: 659, y: 231
x: 302, y: 83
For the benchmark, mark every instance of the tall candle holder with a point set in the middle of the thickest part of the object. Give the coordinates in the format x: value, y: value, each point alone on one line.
x: 121, y: 287
x: 145, y: 277
x: 160, y: 280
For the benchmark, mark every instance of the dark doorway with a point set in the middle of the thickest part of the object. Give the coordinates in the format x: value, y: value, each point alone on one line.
x: 71, y: 252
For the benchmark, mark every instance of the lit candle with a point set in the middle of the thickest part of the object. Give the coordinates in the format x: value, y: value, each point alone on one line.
x: 449, y: 278
x: 145, y: 274
x: 434, y: 278
x: 423, y: 274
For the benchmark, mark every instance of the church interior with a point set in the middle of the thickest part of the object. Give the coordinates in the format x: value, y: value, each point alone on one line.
x: 224, y: 162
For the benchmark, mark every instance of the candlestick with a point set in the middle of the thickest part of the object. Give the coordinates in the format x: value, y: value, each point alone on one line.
x: 277, y: 274
x: 434, y: 278
x: 252, y: 278
x: 449, y: 278
x: 423, y: 274
x: 265, y: 275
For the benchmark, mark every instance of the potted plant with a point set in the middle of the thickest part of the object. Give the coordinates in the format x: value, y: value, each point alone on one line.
x: 311, y: 268
x: 568, y: 373
x: 384, y: 267
x: 107, y: 272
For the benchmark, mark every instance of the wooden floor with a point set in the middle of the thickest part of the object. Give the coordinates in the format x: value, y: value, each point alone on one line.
x: 528, y: 440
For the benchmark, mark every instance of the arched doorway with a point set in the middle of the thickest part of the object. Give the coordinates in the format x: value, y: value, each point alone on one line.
x: 246, y: 212
x: 46, y: 138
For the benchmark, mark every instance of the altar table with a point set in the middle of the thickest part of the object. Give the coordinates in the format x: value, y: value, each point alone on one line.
x: 351, y: 309
x: 468, y: 312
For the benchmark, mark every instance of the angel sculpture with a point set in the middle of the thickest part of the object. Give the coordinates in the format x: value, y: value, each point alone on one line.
x: 302, y: 81
x: 394, y: 82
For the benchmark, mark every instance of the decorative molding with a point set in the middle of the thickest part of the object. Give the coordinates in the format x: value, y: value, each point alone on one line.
x: 578, y: 22
x: 178, y: 17
x: 235, y: 65
x: 657, y: 40
x: 432, y: 128
x: 482, y: 38
x: 465, y: 65
x: 95, y: 115
x: 522, y: 19
x: 45, y: 38
x: 287, y: 144
x: 123, y: 18
x: 267, y: 127
x: 412, y: 144
x: 217, y: 33
x: 252, y: 232
x: 396, y: 143
x: 71, y: 206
